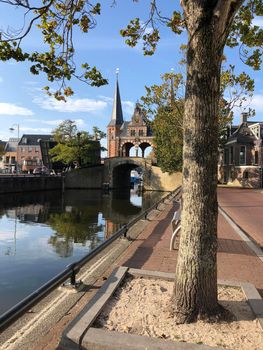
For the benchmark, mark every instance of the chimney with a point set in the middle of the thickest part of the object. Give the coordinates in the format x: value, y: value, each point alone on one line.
x: 243, y: 117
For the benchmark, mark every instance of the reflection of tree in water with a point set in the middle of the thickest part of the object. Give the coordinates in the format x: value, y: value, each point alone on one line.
x: 63, y: 247
x: 72, y: 227
x: 2, y: 212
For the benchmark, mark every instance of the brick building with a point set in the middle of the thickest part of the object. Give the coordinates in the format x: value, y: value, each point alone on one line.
x: 29, y: 154
x: 241, y: 161
x: 9, y: 157
x: 124, y: 135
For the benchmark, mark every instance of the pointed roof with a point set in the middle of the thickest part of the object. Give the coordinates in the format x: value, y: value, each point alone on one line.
x: 116, y: 117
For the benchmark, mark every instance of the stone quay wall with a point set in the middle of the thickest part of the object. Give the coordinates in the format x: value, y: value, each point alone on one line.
x: 28, y: 183
x: 90, y: 178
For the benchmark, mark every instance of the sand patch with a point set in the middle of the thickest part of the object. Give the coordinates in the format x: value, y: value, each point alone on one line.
x: 139, y: 307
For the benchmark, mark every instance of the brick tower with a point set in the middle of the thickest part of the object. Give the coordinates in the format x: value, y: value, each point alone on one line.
x: 123, y: 135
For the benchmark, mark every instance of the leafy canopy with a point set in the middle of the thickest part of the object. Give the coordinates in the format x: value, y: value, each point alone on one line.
x: 165, y: 106
x: 75, y: 146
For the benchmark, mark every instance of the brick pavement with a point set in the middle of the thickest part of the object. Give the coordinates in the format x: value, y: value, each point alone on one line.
x: 236, y: 261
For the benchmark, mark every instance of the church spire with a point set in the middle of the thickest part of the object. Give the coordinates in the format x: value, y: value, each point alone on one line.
x: 116, y: 117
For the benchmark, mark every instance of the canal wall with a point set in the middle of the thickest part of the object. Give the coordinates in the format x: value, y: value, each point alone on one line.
x: 28, y: 183
x: 89, y: 178
x: 94, y: 177
x: 155, y: 179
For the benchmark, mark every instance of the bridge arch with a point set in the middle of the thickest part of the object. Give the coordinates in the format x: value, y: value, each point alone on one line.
x: 117, y: 170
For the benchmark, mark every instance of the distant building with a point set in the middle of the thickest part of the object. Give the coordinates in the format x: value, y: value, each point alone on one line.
x: 241, y: 161
x: 9, y: 158
x: 29, y: 154
x: 123, y: 135
x: 2, y: 151
x: 46, y: 146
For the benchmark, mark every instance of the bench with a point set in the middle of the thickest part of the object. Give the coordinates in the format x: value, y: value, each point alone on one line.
x: 176, y: 225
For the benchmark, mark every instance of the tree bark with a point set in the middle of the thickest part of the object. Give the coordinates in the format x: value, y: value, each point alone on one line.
x: 196, y: 274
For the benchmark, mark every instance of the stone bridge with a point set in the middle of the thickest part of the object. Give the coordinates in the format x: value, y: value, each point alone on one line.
x: 117, y: 170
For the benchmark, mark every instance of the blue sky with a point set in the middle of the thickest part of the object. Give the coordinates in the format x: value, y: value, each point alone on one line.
x: 23, y: 102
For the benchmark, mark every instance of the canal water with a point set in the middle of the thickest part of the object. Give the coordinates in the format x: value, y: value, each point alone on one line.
x: 41, y: 233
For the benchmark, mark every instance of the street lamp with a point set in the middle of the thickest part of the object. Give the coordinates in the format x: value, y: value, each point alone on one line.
x: 13, y: 129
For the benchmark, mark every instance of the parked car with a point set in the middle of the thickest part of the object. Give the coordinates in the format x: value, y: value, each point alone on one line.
x: 41, y: 171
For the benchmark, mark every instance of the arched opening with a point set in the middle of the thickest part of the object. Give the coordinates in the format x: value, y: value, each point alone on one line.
x: 146, y: 149
x: 135, y: 151
x: 121, y: 176
x: 126, y: 149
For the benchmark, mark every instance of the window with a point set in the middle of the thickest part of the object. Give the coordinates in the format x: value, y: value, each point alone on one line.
x: 22, y: 149
x: 226, y: 156
x: 242, y: 155
x: 29, y: 149
x: 140, y: 132
x: 132, y: 132
x: 13, y: 160
x: 7, y: 159
x: 256, y: 157
x: 231, y: 158
x: 36, y: 149
x: 245, y: 175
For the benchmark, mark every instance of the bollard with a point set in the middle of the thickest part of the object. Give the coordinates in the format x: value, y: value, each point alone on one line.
x: 72, y: 280
x: 125, y: 228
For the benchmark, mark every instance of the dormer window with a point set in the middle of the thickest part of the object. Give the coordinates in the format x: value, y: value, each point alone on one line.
x: 24, y: 140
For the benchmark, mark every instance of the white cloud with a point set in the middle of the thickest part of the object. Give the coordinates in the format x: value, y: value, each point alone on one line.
x: 47, y: 122
x: 106, y: 99
x: 12, y: 109
x: 72, y: 105
x: 27, y: 130
x: 127, y: 106
x: 55, y: 123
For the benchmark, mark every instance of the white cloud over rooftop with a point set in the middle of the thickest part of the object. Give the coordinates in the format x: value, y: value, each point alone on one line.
x: 56, y: 122
x: 13, y: 109
x: 73, y: 105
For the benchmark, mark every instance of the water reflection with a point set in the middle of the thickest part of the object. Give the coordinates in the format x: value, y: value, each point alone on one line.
x: 41, y: 233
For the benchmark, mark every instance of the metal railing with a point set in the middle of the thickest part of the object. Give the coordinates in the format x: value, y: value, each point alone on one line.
x: 72, y: 269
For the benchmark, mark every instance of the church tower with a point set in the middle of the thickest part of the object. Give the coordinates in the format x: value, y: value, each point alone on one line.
x: 113, y: 129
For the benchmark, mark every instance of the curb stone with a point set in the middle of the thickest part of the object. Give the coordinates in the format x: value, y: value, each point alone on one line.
x: 81, y: 334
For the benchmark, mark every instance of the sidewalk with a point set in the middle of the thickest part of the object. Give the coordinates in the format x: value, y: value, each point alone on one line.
x: 236, y: 261
x: 150, y: 251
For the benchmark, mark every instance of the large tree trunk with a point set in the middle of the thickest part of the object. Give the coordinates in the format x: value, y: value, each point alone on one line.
x: 196, y: 274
